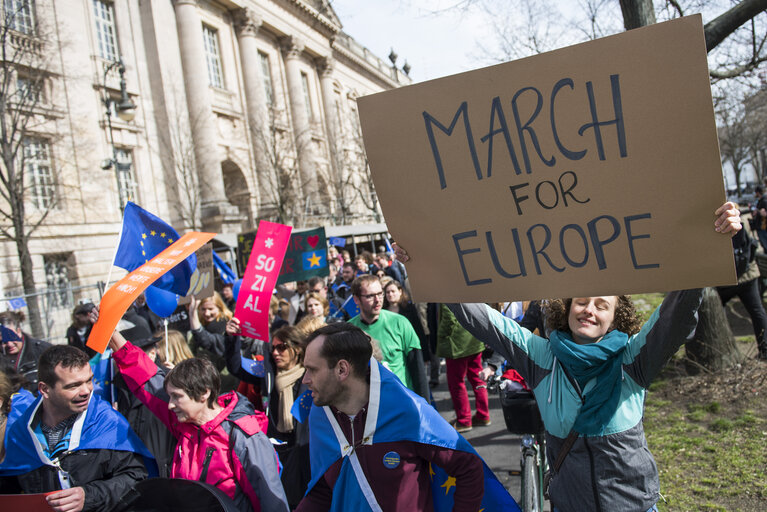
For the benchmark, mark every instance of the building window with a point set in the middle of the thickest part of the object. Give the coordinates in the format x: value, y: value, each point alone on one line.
x: 126, y: 185
x: 39, y: 174
x: 20, y: 15
x: 28, y: 92
x: 213, y: 57
x: 266, y: 73
x: 104, y: 13
x: 59, y: 279
x: 307, y: 96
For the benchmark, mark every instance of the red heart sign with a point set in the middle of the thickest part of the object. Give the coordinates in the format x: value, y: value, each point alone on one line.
x: 312, y: 240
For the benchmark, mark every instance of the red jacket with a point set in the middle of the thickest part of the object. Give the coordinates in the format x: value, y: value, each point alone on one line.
x: 230, y: 452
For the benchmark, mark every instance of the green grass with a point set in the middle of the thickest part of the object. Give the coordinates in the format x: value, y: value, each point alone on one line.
x: 646, y: 303
x: 710, y: 456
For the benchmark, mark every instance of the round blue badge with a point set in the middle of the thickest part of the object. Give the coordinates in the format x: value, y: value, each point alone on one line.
x: 391, y: 460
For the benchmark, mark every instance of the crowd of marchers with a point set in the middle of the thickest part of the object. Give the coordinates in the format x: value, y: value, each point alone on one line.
x: 334, y: 411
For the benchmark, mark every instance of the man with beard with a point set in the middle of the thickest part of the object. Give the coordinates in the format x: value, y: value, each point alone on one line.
x: 376, y: 445
x: 394, y: 333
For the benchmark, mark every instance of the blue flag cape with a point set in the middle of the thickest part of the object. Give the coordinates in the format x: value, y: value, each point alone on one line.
x: 19, y: 403
x: 395, y: 413
x: 100, y: 427
x: 143, y: 237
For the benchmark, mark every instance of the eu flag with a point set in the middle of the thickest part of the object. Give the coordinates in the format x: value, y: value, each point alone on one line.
x: 302, y: 406
x: 101, y: 365
x: 143, y: 237
x: 254, y: 366
x: 227, y: 274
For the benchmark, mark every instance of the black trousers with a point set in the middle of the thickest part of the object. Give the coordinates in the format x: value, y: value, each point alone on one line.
x: 748, y: 293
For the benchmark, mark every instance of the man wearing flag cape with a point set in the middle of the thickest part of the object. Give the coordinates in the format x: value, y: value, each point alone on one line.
x: 72, y: 442
x: 377, y: 446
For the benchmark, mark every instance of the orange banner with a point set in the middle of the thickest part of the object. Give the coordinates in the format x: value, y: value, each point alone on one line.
x: 119, y: 297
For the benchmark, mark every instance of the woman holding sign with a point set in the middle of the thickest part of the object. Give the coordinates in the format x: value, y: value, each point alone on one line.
x: 589, y: 378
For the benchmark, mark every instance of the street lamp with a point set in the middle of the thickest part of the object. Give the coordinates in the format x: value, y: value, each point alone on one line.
x: 125, y: 109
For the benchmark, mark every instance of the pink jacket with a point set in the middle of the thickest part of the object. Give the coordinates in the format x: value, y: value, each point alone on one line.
x: 230, y: 452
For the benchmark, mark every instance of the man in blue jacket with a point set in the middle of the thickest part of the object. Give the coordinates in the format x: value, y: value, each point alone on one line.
x: 72, y: 442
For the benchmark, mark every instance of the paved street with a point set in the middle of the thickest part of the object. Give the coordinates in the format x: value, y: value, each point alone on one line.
x: 495, y: 444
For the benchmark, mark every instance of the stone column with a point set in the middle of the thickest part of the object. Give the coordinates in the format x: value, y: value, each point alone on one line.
x: 292, y: 48
x: 214, y: 205
x: 246, y: 24
x: 326, y: 66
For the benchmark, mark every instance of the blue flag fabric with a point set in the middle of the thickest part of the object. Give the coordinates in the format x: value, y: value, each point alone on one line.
x: 143, y: 237
x: 8, y: 334
x: 337, y: 241
x: 302, y: 406
x: 102, y: 428
x: 227, y: 274
x: 101, y: 365
x: 17, y: 303
x: 314, y: 259
x: 389, y: 248
x: 255, y: 367
x: 351, y: 307
x: 19, y: 403
x: 401, y: 416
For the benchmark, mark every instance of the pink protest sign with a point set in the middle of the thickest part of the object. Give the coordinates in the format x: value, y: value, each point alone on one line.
x: 260, y: 277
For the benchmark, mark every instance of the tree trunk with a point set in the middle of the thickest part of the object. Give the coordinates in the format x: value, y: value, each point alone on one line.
x: 637, y: 13
x: 28, y: 282
x: 713, y: 346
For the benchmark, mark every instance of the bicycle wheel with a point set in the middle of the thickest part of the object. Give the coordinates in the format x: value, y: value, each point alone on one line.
x: 531, y: 499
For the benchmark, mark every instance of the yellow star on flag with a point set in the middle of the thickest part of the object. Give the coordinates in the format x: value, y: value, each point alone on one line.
x: 314, y: 260
x: 153, y: 232
x: 450, y: 482
x: 431, y: 472
x: 143, y: 235
x: 170, y: 241
x: 162, y: 235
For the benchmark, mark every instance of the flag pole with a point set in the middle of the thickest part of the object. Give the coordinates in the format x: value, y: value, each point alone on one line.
x: 114, y: 256
x: 167, y: 350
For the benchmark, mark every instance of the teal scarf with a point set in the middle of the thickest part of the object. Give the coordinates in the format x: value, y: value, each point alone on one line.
x: 600, y: 360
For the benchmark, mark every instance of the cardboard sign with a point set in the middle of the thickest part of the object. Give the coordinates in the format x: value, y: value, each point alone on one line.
x: 201, y: 283
x: 266, y: 258
x: 590, y: 170
x: 121, y: 295
x: 307, y: 254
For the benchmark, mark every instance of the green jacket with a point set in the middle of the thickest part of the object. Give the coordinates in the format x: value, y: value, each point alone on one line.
x: 453, y: 341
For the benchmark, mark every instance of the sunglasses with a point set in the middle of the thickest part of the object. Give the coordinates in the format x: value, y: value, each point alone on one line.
x: 279, y: 348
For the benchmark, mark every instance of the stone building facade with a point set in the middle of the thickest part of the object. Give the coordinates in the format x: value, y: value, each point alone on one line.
x: 245, y: 111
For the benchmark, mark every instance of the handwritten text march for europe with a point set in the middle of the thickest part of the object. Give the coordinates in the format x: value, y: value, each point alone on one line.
x: 590, y: 170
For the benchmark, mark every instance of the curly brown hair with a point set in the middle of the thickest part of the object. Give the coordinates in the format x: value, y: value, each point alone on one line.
x: 557, y: 311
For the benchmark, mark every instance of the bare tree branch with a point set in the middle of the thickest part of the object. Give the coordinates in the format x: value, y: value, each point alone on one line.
x: 718, y: 29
